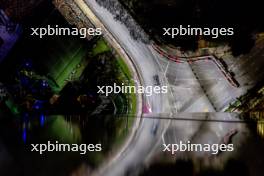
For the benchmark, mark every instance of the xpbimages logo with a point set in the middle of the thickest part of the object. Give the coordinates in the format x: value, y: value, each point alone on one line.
x: 197, y: 31
x: 188, y: 146
x: 58, y: 147
x: 116, y: 89
x: 64, y: 31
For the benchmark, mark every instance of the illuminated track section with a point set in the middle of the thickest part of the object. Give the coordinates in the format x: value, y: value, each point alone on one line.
x: 218, y: 62
x: 135, y: 151
x: 147, y: 63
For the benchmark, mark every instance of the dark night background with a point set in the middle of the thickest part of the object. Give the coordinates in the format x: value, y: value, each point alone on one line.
x: 245, y: 16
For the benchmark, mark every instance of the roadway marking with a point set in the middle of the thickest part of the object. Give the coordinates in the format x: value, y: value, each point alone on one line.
x: 174, y: 106
x: 166, y: 70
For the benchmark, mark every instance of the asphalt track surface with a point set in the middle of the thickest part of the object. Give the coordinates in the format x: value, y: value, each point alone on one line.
x: 187, y: 95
